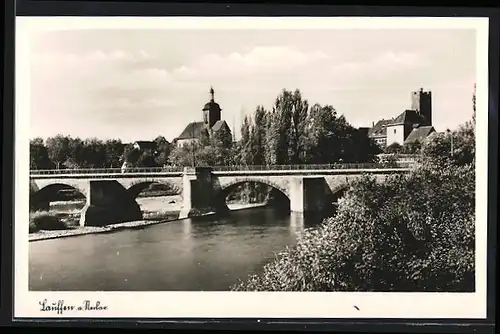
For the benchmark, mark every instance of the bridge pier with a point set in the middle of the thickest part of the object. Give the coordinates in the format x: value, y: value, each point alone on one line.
x: 308, y: 194
x: 108, y: 202
x: 199, y: 193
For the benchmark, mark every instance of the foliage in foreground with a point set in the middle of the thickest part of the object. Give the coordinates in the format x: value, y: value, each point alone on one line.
x: 44, y: 220
x: 411, y: 233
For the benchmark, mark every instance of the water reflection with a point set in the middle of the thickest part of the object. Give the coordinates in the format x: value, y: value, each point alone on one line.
x: 186, y: 229
x: 206, y: 253
x: 296, y: 223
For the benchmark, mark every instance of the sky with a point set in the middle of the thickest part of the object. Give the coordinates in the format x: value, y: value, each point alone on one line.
x: 139, y: 84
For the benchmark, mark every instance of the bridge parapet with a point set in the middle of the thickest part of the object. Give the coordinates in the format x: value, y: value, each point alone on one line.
x: 220, y: 169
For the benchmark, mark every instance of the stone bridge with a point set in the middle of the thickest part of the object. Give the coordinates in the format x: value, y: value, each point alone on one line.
x: 111, y: 196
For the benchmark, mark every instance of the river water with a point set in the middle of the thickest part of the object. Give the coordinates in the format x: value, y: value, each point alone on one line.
x: 197, y: 254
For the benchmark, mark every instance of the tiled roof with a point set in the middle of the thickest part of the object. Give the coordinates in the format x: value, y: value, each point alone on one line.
x: 420, y: 133
x: 406, y: 117
x: 193, y: 130
x: 218, y: 125
x: 409, y: 117
x: 379, y: 130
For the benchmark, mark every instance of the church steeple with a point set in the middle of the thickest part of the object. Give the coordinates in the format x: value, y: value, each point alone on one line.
x: 211, y: 110
x: 212, y: 92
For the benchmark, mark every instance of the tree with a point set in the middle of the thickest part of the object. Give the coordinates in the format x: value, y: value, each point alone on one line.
x: 221, y: 142
x: 361, y: 147
x: 182, y: 155
x: 271, y: 137
x: 58, y: 149
x: 114, y: 152
x: 465, y: 144
x: 438, y: 149
x: 131, y: 154
x: 208, y: 156
x: 163, y: 149
x: 94, y: 153
x: 194, y: 153
x: 297, y: 130
x: 39, y: 157
x: 394, y: 148
x: 146, y: 159
x: 283, y: 107
x: 257, y: 137
x: 410, y: 233
x: 246, y: 154
x: 323, y: 133
x: 412, y: 147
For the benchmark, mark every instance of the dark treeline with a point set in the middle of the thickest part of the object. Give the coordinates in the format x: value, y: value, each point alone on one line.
x: 67, y: 152
x: 292, y: 132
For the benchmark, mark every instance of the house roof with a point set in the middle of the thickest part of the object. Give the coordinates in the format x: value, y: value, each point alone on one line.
x: 145, y: 144
x: 379, y: 129
x: 420, y: 133
x: 192, y: 130
x: 219, y: 124
x: 408, y: 117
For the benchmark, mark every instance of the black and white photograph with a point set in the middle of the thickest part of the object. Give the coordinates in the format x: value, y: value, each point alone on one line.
x: 176, y: 163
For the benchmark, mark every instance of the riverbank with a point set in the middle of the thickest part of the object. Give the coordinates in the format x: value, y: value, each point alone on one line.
x: 77, y: 230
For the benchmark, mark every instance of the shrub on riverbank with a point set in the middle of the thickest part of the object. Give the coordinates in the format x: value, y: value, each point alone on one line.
x: 44, y: 220
x: 411, y: 233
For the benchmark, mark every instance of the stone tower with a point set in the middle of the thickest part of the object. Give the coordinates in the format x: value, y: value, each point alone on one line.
x: 211, y: 111
x: 421, y: 102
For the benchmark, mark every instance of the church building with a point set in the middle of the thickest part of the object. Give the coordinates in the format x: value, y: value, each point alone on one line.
x: 413, y: 124
x: 211, y: 123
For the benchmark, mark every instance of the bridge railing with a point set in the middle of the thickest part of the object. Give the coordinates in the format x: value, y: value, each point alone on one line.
x: 313, y: 167
x: 170, y: 169
x: 242, y: 168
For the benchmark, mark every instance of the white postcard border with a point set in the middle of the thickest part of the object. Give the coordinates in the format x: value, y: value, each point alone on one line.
x: 245, y: 304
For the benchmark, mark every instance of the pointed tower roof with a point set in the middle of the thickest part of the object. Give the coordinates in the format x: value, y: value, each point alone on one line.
x: 211, y: 105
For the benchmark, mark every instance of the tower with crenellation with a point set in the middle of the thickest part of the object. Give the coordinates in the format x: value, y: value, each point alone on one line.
x: 421, y: 102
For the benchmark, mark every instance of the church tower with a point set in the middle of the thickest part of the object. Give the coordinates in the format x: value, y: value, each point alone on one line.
x: 211, y: 111
x: 421, y: 102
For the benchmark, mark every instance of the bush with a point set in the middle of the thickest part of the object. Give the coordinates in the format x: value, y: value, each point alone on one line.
x: 393, y: 148
x: 43, y: 220
x: 410, y: 233
x: 437, y: 148
x: 412, y: 147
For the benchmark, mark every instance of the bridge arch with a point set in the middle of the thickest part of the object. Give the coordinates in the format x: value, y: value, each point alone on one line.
x: 235, y: 182
x: 135, y: 189
x: 280, y: 194
x: 40, y: 198
x: 339, y: 191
